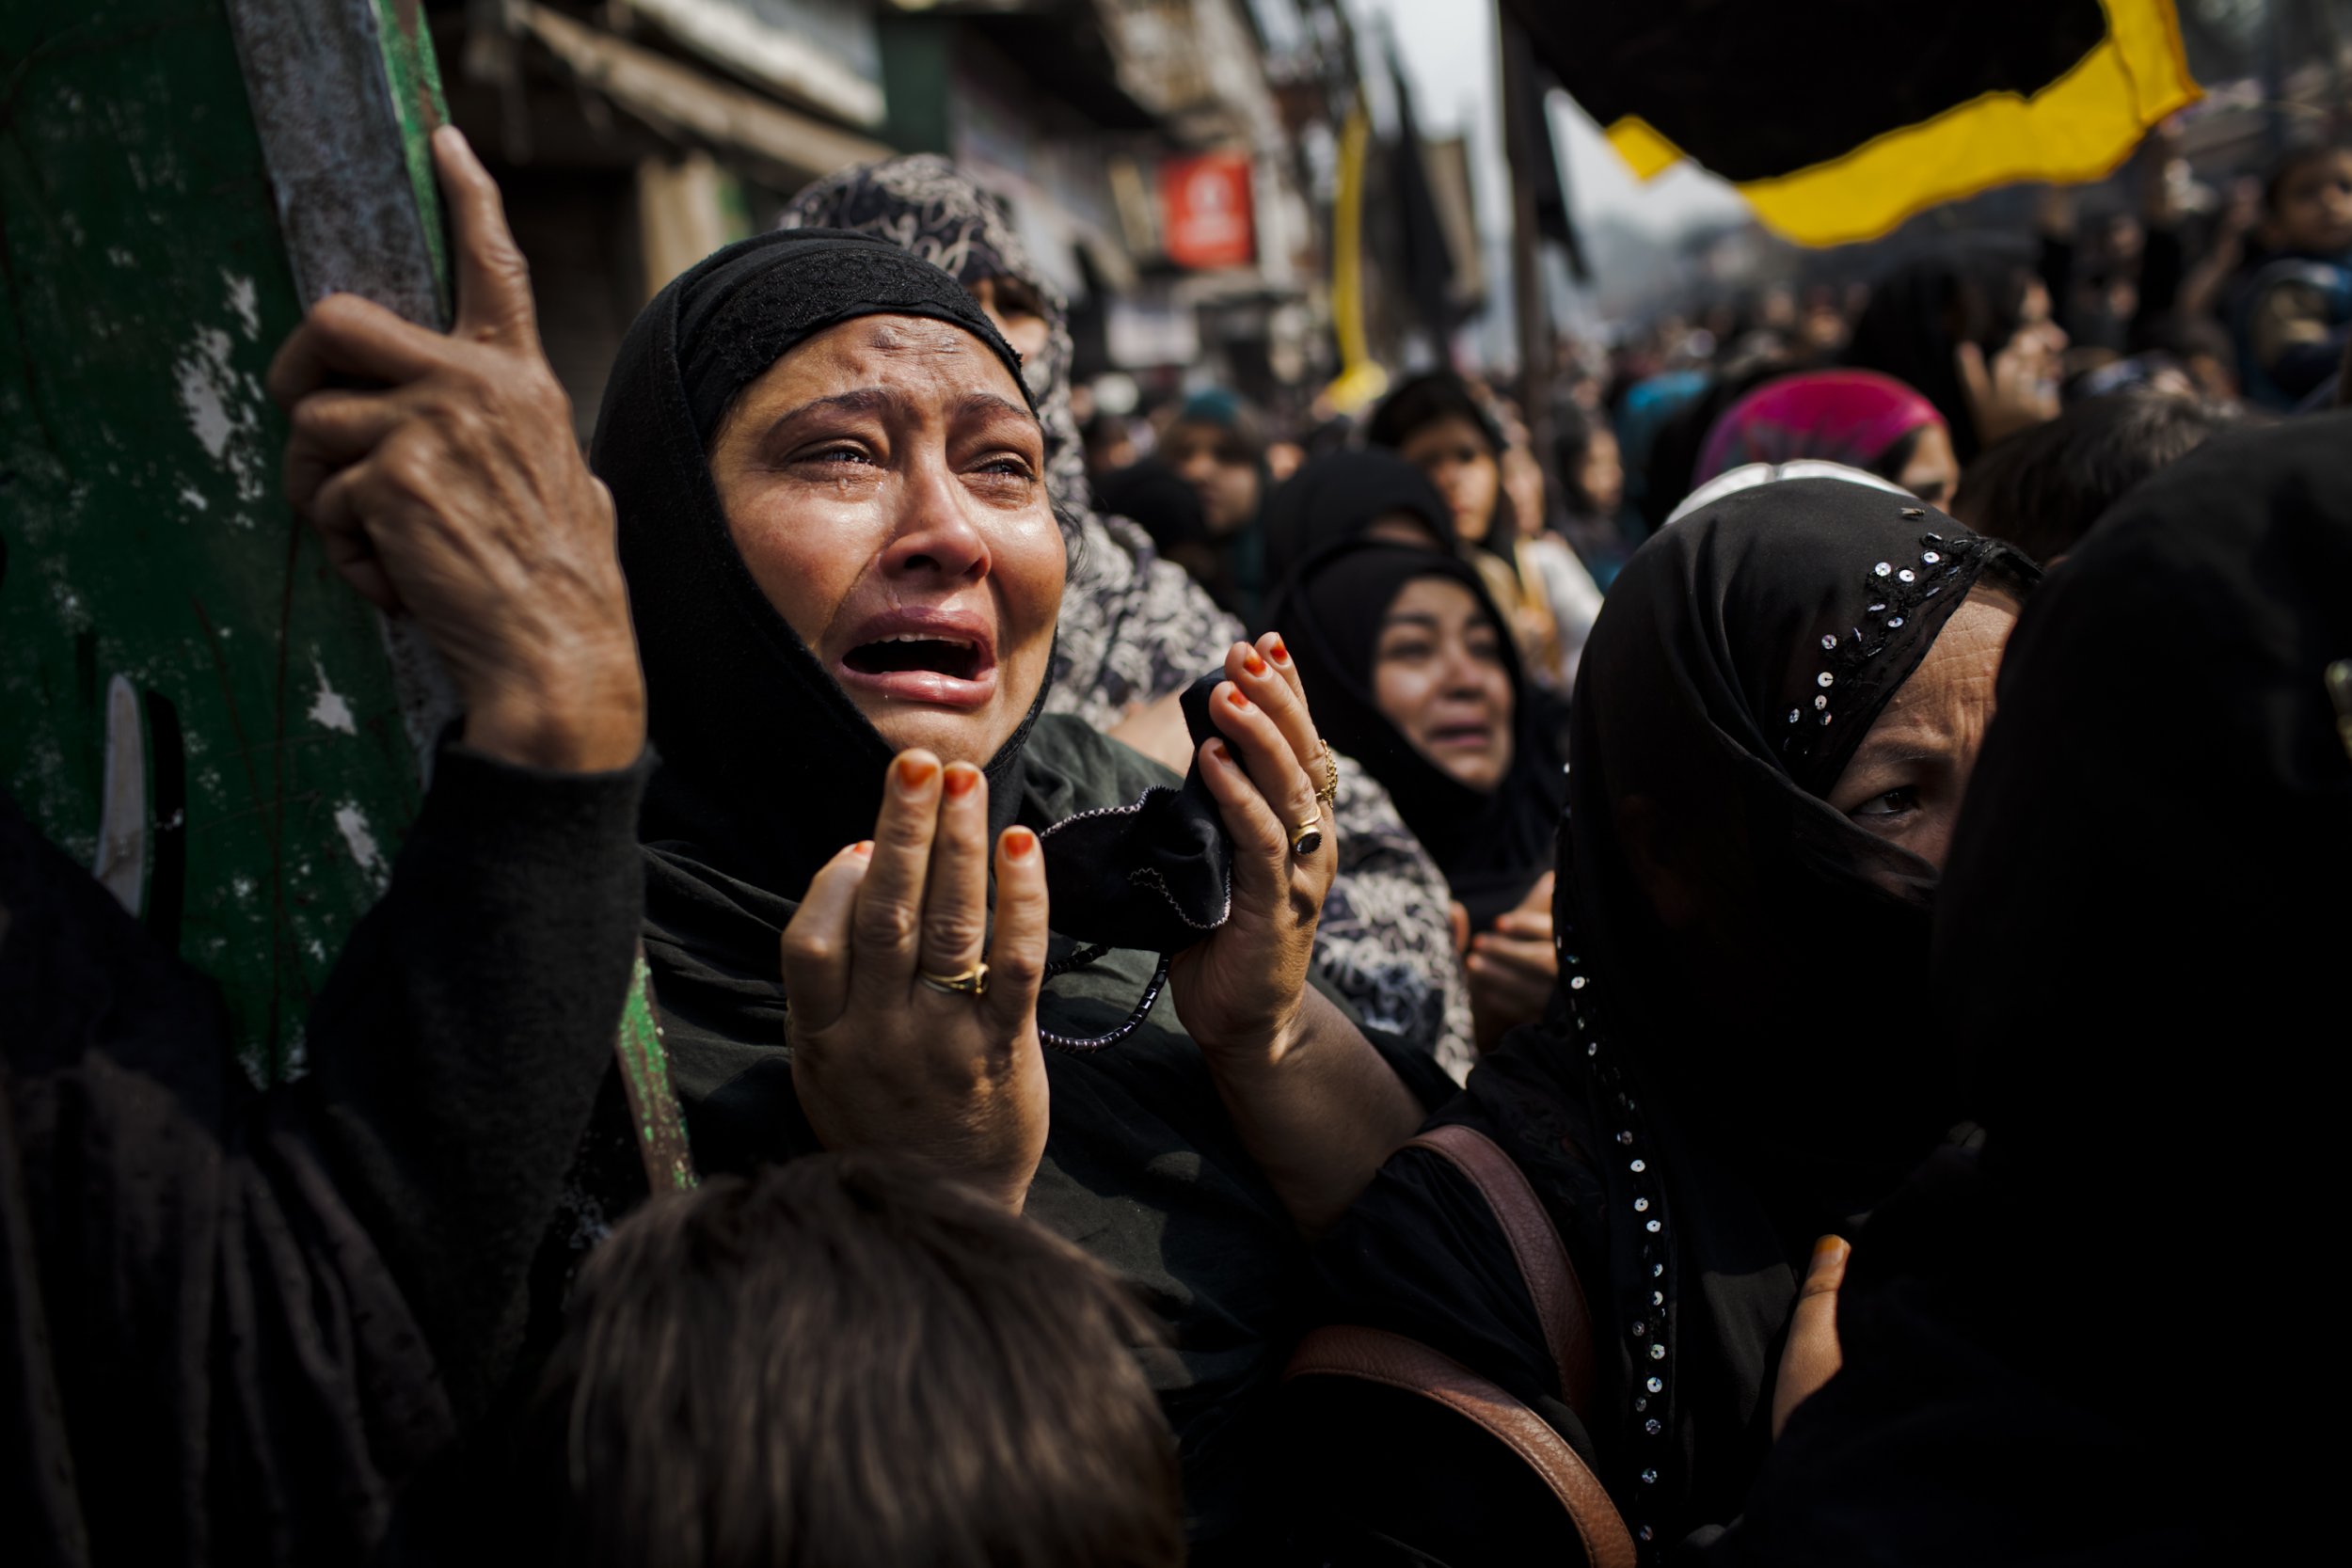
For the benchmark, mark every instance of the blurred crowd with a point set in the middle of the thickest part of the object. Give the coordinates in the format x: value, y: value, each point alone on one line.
x: 2015, y: 380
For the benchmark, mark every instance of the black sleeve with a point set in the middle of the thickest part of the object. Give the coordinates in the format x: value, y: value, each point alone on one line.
x: 233, y: 1323
x: 456, y: 1050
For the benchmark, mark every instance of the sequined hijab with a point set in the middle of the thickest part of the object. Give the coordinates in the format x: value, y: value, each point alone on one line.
x: 1741, y: 1087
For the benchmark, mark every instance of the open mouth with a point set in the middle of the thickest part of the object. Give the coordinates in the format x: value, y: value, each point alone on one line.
x: 954, y: 658
x: 1453, y: 737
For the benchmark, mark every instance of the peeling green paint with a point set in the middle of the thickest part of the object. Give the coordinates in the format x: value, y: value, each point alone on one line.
x: 415, y: 76
x: 146, y: 288
x: 652, y: 1101
x: 142, y: 535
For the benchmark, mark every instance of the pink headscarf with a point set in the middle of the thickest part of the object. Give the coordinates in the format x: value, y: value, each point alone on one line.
x: 1851, y: 417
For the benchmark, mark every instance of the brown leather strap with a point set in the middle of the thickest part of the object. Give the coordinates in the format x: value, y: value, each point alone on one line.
x: 1535, y: 1243
x: 1375, y: 1356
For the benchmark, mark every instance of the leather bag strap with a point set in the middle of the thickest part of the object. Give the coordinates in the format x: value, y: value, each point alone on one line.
x: 1375, y: 1356
x: 1543, y: 1259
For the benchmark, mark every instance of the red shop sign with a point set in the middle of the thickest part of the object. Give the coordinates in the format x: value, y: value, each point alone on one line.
x: 1207, y: 204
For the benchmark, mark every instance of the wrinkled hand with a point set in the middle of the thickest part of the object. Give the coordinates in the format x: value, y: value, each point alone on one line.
x: 1241, y: 988
x: 1514, y: 967
x: 1812, y: 1356
x: 881, y: 1060
x: 444, y: 478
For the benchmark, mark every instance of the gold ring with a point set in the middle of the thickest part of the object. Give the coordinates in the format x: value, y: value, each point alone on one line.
x: 1329, y: 793
x: 1307, y: 840
x: 972, y: 982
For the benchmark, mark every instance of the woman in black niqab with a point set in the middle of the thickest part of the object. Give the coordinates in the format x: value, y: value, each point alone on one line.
x: 1706, y: 1098
x: 2071, y: 1345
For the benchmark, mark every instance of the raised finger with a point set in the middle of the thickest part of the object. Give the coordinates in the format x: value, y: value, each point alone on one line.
x: 1277, y: 695
x: 493, y: 280
x: 816, y: 950
x: 955, y: 894
x: 1827, y: 1274
x: 1263, y: 749
x: 1262, y: 842
x: 1279, y: 655
x: 343, y: 341
x: 1016, y: 954
x: 889, y: 919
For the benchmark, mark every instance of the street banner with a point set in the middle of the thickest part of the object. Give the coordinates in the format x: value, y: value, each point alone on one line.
x: 1839, y: 118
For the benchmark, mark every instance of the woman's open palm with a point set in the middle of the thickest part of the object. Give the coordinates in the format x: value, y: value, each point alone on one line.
x: 882, y: 1057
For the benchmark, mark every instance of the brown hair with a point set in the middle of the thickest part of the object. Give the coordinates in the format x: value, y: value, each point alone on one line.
x: 848, y: 1360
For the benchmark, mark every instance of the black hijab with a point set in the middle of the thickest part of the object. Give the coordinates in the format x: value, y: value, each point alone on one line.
x: 1738, y: 1094
x: 1335, y: 499
x: 768, y: 767
x: 1492, y: 844
x: 2144, y: 917
x: 1436, y: 395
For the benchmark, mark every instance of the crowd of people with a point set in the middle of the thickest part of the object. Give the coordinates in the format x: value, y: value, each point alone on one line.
x: 1360, y: 995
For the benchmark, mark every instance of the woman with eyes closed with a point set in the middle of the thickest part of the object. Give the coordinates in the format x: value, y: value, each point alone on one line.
x: 1414, y: 675
x: 1773, y: 734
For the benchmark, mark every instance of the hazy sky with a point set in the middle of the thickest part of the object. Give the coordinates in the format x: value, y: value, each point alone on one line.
x: 1448, y: 48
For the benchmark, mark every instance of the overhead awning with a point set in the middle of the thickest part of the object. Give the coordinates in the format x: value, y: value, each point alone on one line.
x: 823, y: 55
x: 684, y: 103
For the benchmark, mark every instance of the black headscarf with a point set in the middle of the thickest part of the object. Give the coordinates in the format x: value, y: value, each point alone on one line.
x: 1437, y: 395
x: 1161, y: 500
x: 2133, y: 941
x: 1745, y: 1090
x: 768, y: 767
x: 1335, y: 499
x: 1920, y: 314
x: 1492, y: 844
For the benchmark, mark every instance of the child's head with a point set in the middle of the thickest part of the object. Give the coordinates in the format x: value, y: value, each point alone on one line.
x: 847, y: 1361
x: 2307, y: 202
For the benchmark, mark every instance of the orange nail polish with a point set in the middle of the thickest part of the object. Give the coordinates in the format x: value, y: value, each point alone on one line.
x: 915, y: 774
x: 1019, y: 843
x: 1282, y: 655
x: 1232, y: 696
x: 1255, y: 665
x: 961, y: 779
x: 863, y: 848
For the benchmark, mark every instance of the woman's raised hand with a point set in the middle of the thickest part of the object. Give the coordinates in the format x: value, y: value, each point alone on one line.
x: 442, y: 473
x: 1811, y: 1357
x: 1514, y: 967
x: 882, y: 1057
x: 1241, y: 988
